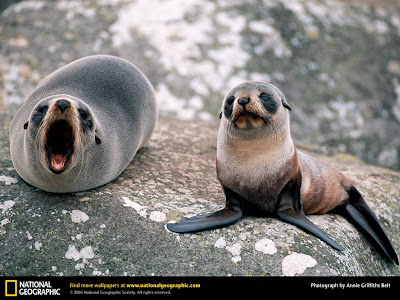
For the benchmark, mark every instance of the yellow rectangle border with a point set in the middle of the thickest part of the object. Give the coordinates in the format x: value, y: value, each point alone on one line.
x: 11, y: 295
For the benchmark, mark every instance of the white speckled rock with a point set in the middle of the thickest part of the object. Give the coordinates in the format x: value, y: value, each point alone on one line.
x: 297, y: 263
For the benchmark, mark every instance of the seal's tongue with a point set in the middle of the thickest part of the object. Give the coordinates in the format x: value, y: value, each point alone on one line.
x: 58, y: 161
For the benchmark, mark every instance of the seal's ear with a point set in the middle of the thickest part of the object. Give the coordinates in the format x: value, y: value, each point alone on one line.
x: 220, y: 115
x: 285, y: 104
x: 98, y: 132
x: 26, y: 125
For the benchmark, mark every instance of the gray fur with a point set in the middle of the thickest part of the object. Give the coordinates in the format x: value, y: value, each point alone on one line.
x: 122, y: 102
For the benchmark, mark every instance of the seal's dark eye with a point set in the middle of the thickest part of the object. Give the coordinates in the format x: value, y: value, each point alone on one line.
x: 83, y: 114
x: 268, y: 103
x: 265, y: 97
x: 43, y: 110
x: 230, y: 100
x: 39, y: 115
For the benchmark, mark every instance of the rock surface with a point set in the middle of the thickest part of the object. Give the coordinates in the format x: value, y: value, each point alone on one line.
x: 119, y: 229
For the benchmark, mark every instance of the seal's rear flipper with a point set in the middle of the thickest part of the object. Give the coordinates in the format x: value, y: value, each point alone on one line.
x: 218, y: 219
x: 300, y: 220
x: 290, y: 210
x: 358, y: 213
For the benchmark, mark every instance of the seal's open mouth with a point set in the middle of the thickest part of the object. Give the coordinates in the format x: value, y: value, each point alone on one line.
x: 60, y: 146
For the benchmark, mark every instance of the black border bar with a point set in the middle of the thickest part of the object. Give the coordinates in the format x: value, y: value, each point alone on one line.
x: 28, y: 287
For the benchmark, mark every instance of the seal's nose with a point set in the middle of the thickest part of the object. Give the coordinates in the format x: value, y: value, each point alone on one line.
x: 63, y: 105
x: 244, y: 101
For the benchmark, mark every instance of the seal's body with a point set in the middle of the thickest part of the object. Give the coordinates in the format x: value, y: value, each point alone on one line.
x: 262, y: 173
x: 83, y: 124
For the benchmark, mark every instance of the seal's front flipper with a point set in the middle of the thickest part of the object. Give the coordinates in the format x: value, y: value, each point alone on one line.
x: 218, y: 219
x: 300, y: 220
x: 290, y: 210
x: 358, y: 212
x: 227, y: 216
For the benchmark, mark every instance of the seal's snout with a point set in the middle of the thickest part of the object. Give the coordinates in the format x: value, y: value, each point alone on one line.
x: 246, y: 111
x: 63, y: 105
x: 60, y: 135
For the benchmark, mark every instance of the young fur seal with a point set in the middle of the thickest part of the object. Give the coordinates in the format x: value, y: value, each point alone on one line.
x: 83, y: 124
x: 262, y: 173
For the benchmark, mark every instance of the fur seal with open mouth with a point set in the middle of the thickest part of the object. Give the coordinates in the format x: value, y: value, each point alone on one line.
x: 83, y: 124
x: 262, y: 173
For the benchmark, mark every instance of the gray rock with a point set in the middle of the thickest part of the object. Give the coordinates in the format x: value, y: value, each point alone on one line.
x: 119, y: 229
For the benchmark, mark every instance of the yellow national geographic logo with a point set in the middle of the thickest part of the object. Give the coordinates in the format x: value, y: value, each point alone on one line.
x: 19, y: 288
x: 11, y: 288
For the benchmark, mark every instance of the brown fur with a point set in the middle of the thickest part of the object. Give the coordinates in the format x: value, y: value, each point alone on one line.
x: 323, y: 187
x: 256, y: 159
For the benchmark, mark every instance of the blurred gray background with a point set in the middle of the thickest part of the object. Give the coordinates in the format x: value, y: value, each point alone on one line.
x: 337, y: 62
